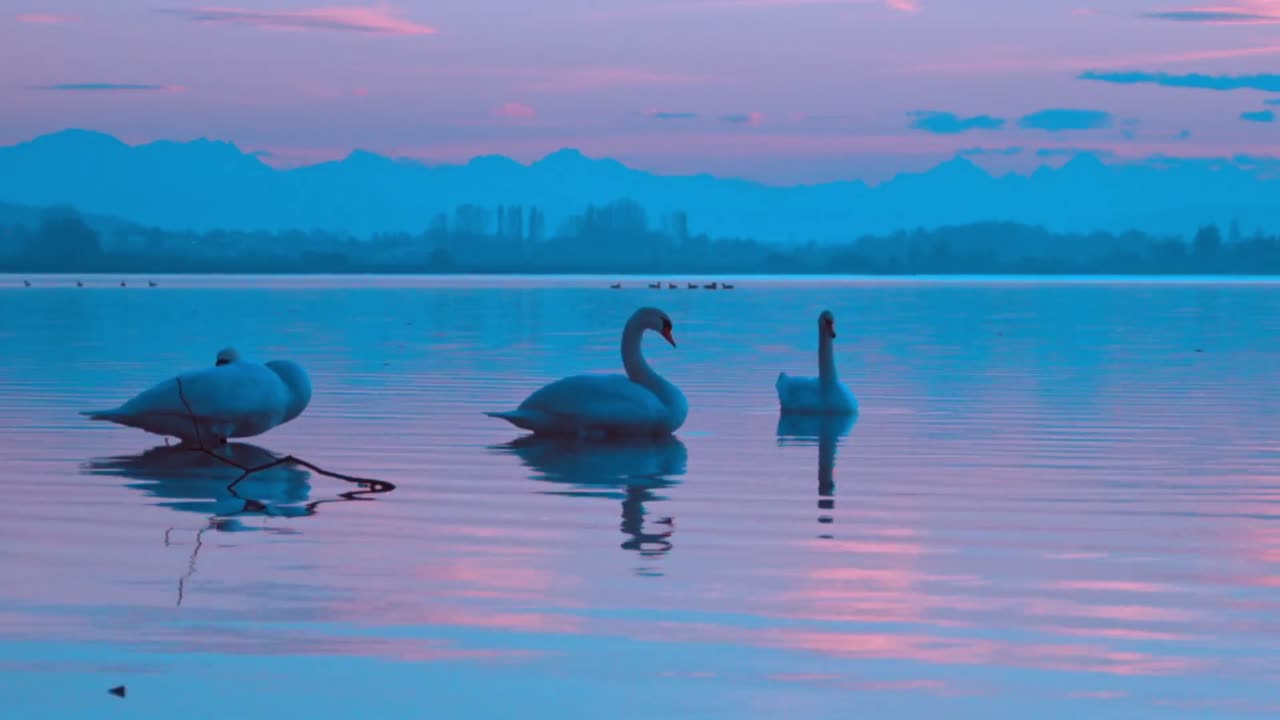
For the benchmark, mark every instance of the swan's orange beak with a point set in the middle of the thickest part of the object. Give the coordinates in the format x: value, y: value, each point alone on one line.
x: 666, y: 334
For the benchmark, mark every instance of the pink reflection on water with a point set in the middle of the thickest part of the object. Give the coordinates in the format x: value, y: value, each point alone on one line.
x: 1114, y: 632
x: 940, y: 650
x: 1061, y: 607
x: 1131, y: 586
x: 493, y: 577
x: 1098, y: 695
x: 930, y: 686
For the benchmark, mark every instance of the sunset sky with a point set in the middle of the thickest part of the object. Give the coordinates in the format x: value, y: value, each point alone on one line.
x: 782, y: 91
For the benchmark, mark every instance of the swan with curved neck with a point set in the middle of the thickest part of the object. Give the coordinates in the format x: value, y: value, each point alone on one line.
x: 825, y: 393
x: 639, y: 403
x: 234, y: 398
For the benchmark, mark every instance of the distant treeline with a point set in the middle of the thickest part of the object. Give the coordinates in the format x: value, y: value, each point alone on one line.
x: 615, y: 238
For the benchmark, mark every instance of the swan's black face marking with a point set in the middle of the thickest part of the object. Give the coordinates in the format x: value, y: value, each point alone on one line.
x: 827, y: 323
x: 666, y: 330
x: 222, y: 361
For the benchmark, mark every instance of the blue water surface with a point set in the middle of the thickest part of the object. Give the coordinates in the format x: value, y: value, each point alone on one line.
x: 1061, y: 499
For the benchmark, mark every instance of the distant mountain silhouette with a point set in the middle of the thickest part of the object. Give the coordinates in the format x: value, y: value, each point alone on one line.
x: 202, y: 185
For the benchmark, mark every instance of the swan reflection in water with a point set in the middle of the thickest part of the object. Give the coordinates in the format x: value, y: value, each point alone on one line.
x: 631, y: 470
x: 189, y: 480
x: 825, y: 431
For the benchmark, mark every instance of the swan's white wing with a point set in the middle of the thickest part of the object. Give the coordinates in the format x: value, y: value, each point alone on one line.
x: 809, y: 395
x: 242, y: 394
x: 610, y: 403
x: 798, y: 393
x: 230, y: 399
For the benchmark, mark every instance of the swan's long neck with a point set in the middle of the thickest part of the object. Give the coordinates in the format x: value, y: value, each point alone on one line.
x: 826, y: 358
x: 633, y: 358
x: 639, y: 372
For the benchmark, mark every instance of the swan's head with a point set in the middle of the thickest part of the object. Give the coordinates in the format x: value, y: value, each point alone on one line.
x: 299, y: 384
x: 648, y: 318
x: 226, y: 356
x: 826, y: 324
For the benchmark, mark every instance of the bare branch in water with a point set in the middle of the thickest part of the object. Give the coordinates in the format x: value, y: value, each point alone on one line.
x: 368, y: 486
x: 374, y: 486
x: 191, y: 563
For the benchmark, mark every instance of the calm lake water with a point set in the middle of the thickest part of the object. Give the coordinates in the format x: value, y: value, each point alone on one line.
x: 1060, y: 500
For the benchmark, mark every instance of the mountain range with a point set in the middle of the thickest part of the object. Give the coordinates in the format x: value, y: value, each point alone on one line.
x: 203, y: 184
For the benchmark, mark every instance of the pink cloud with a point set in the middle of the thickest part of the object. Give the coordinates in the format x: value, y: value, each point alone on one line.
x: 516, y: 111
x: 1029, y: 64
x: 382, y: 19
x: 1241, y: 12
x: 46, y: 18
x: 908, y: 6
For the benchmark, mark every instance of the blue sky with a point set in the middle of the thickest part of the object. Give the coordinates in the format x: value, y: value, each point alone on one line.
x: 778, y: 90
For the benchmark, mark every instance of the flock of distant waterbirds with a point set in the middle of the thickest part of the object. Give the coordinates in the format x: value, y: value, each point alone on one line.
x: 676, y: 286
x: 80, y: 283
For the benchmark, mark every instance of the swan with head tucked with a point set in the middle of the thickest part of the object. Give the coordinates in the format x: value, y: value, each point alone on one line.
x: 639, y: 403
x: 825, y: 393
x: 234, y: 398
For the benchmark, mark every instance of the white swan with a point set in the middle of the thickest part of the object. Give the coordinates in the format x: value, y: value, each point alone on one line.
x: 234, y: 398
x: 638, y: 403
x: 825, y: 393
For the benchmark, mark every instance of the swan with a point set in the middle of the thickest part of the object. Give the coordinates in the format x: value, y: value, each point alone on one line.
x: 636, y: 404
x: 672, y: 286
x: 693, y: 286
x: 232, y: 399
x: 709, y: 286
x: 825, y: 393
x: 616, y: 286
x: 655, y: 286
